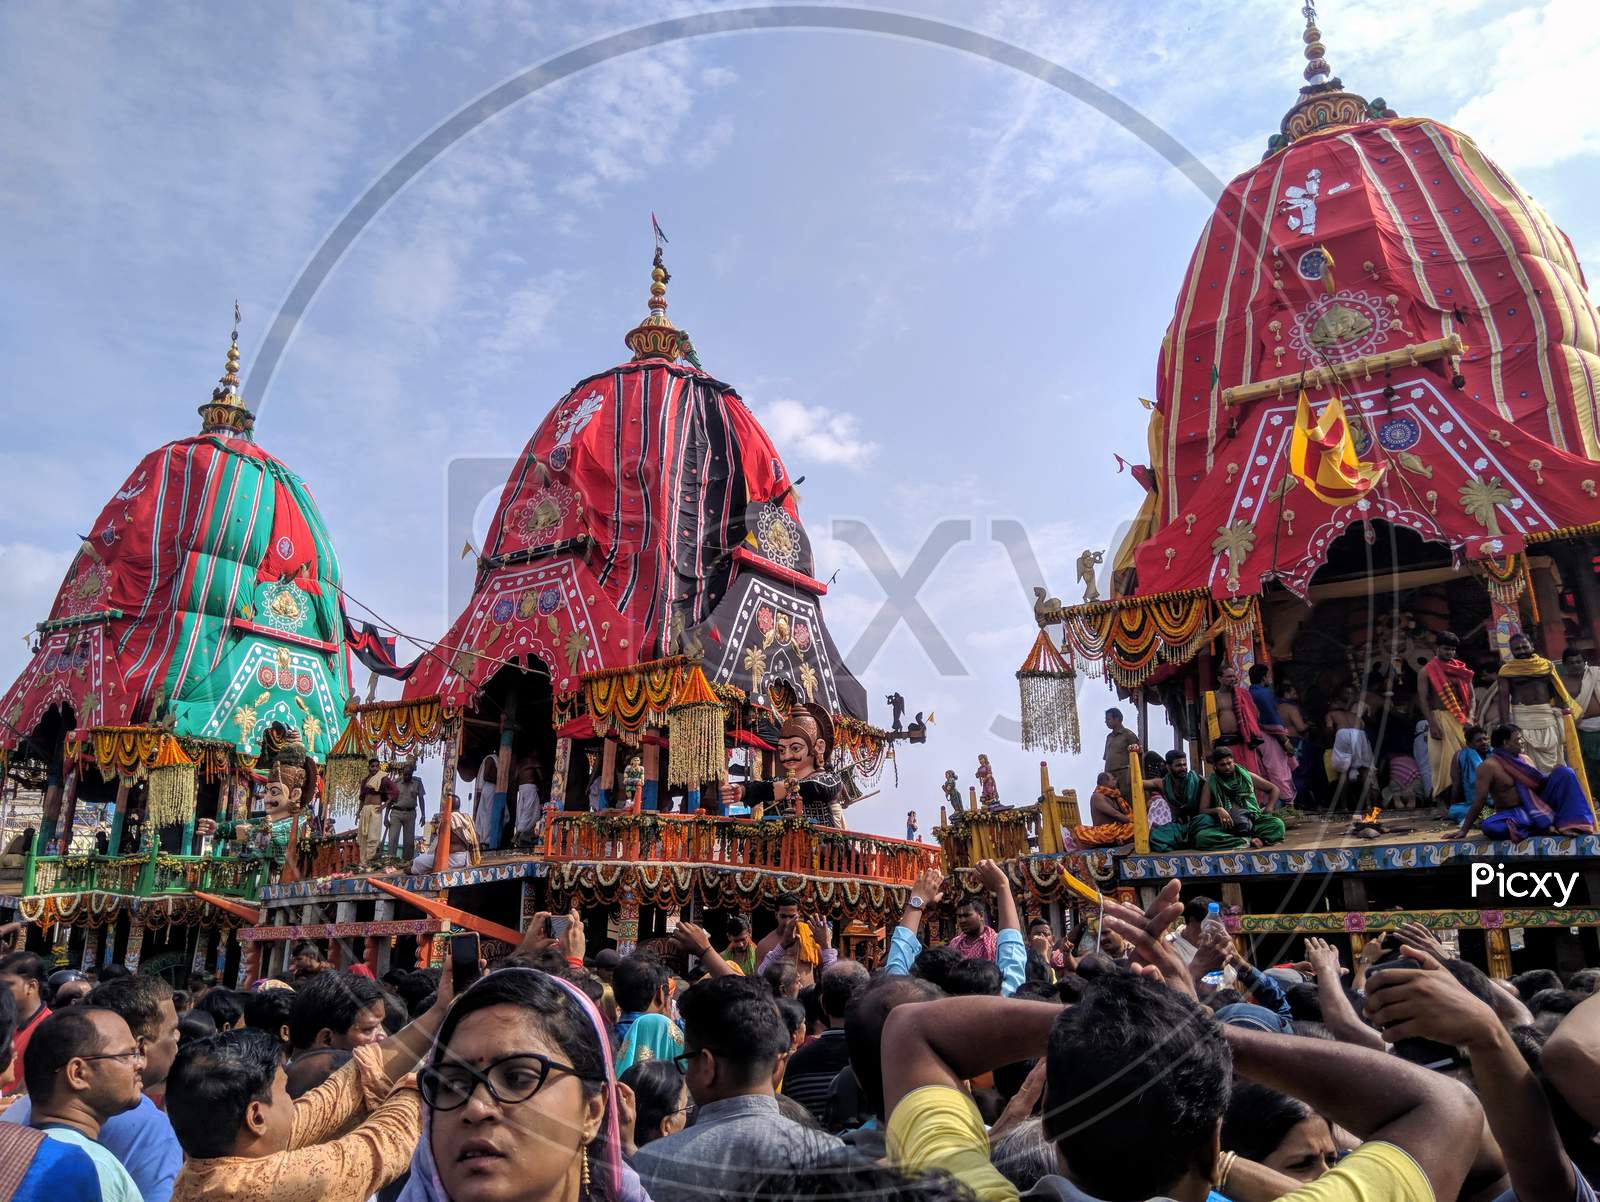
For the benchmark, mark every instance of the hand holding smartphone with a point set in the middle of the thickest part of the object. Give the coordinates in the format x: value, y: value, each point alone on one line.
x: 463, y: 960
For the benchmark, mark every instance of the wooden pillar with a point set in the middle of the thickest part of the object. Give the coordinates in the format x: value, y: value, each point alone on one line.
x: 381, y: 947
x: 1504, y: 621
x: 251, y: 971
x: 530, y: 903
x: 627, y: 925
x: 1552, y: 630
x: 502, y: 770
x: 119, y: 814
x: 1579, y: 568
x: 135, y: 944
x: 92, y: 938
x: 559, y: 770
x: 608, y: 773
x: 1141, y: 813
x: 1233, y: 903
x: 1143, y: 713
x: 650, y: 757
x: 201, y: 957
x: 69, y: 806
x: 1499, y: 944
x: 447, y: 795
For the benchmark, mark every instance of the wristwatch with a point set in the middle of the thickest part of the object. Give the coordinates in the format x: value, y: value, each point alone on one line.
x: 915, y: 903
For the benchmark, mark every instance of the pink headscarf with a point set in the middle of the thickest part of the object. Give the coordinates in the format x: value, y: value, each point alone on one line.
x: 609, y: 1172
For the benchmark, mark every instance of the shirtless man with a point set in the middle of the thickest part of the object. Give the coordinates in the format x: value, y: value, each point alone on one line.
x: 1352, y: 750
x: 1232, y: 728
x: 1526, y: 802
x: 1583, y: 685
x: 1532, y: 697
x: 809, y: 955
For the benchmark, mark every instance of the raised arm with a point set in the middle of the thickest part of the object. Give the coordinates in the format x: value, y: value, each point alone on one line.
x: 904, y: 946
x: 947, y: 1041
x: 1338, y: 1015
x: 1378, y: 1097
x: 1429, y: 1003
x: 1010, y: 953
x: 1571, y: 1060
x: 696, y: 942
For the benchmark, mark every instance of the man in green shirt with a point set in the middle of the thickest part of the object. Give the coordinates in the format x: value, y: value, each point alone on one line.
x: 741, y: 949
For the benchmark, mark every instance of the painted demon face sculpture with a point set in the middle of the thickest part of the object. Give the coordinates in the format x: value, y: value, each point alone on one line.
x: 280, y: 799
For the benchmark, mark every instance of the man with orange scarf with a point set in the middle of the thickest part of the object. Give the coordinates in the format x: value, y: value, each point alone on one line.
x: 808, y: 946
x: 1110, y: 816
x: 1444, y: 695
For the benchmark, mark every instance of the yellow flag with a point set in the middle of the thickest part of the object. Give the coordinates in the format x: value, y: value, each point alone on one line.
x: 1322, y: 455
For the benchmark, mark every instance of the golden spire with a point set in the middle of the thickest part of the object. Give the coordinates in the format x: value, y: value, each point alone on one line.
x: 1323, y: 102
x: 656, y: 337
x: 1317, y: 69
x: 225, y: 412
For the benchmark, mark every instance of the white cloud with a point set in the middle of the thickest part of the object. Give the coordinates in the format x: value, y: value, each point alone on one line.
x: 1534, y: 105
x: 817, y: 434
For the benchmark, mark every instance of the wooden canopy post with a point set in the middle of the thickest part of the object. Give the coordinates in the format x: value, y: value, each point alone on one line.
x: 1141, y: 813
x: 502, y: 770
x: 1580, y: 567
x: 608, y: 773
x: 69, y: 805
x: 559, y: 771
x: 447, y: 779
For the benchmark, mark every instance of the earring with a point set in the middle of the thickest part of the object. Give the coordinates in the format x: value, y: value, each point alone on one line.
x: 583, y: 1170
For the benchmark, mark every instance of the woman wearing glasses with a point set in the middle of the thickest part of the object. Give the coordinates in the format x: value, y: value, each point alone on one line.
x: 520, y: 1100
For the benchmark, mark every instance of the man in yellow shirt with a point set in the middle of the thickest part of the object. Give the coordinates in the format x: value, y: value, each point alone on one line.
x: 1137, y: 1079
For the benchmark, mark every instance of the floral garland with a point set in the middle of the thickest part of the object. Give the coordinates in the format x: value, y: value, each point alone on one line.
x: 1132, y: 636
x: 632, y: 698
x: 1505, y: 579
x: 404, y: 727
x: 671, y: 886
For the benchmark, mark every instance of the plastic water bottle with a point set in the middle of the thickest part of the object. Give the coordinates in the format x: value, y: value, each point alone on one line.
x: 1213, y: 921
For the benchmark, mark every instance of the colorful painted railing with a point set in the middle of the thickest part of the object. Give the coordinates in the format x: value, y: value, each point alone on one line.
x: 151, y: 874
x: 1010, y: 833
x: 332, y: 856
x: 788, y: 845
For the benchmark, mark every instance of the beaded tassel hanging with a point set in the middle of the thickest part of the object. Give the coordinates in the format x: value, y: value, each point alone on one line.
x: 695, y: 734
x: 171, y: 785
x: 1049, y: 700
x: 346, y: 770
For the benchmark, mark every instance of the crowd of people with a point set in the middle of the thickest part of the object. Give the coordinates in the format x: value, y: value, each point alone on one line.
x: 1142, y: 1057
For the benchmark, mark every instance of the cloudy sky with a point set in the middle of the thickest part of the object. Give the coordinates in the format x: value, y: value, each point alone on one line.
x: 939, y: 282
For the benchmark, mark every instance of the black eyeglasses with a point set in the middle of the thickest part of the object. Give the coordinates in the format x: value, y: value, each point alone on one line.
x: 131, y: 1054
x: 682, y: 1063
x: 510, y: 1080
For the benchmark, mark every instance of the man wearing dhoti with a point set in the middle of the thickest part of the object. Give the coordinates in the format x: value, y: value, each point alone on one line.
x: 528, y: 808
x: 1444, y: 695
x: 1582, y: 681
x: 377, y: 791
x: 1533, y: 699
x: 1526, y: 801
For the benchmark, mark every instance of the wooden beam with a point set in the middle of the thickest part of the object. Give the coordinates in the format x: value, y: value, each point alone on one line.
x: 446, y: 913
x: 1320, y: 377
x: 249, y: 914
